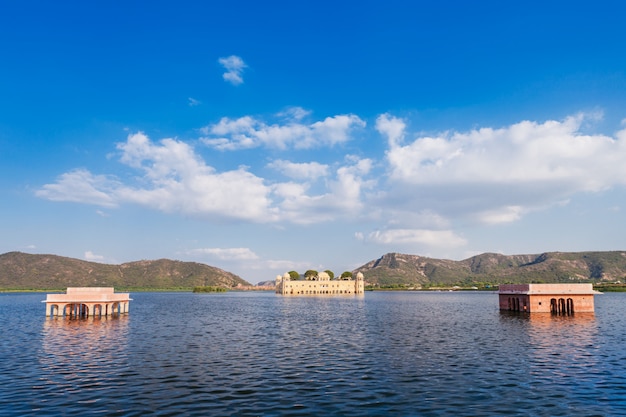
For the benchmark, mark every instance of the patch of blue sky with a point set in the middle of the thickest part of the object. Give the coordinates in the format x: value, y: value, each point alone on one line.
x: 264, y: 137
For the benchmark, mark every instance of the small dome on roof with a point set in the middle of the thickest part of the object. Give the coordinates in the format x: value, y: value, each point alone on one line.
x: 323, y: 276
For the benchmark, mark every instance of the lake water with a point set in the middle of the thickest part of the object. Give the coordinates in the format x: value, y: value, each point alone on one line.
x: 386, y: 353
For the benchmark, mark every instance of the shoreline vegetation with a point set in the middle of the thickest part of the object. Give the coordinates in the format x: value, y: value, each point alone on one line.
x: 143, y: 289
x: 209, y: 289
x: 612, y: 287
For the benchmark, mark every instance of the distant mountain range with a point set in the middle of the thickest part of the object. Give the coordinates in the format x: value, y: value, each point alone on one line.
x: 413, y: 270
x: 26, y: 271
x: 22, y: 271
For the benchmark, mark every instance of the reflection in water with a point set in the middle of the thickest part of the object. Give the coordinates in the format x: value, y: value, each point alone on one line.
x: 92, y: 337
x: 561, y: 352
x: 78, y: 355
x: 396, y: 353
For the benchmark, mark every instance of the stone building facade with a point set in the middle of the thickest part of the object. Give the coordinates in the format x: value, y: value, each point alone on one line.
x: 320, y: 285
x: 564, y: 299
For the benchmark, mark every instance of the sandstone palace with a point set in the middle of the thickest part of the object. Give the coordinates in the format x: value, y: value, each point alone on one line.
x: 319, y: 285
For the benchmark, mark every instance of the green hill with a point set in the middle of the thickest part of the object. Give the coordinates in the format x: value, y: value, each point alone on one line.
x: 25, y: 271
x: 394, y: 269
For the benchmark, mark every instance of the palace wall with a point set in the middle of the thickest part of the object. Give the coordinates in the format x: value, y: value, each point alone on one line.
x: 320, y: 285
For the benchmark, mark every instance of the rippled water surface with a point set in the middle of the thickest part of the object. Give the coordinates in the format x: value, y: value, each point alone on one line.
x: 395, y: 353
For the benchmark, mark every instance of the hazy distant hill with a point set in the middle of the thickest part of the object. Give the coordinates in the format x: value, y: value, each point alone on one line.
x: 271, y: 283
x: 25, y: 271
x: 396, y: 268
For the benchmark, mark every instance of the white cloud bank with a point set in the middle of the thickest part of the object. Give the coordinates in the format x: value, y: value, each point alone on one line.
x: 414, y: 194
x: 173, y: 178
x: 498, y: 175
x: 234, y: 67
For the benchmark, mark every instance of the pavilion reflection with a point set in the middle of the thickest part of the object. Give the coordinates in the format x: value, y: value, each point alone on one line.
x: 557, y: 347
x: 80, y: 349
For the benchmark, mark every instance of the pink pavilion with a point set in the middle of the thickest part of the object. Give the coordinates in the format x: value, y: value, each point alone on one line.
x: 86, y: 302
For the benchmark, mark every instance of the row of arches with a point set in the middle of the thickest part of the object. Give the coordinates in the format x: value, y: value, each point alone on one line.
x: 562, y: 306
x: 314, y: 292
x: 515, y: 305
x: 84, y: 310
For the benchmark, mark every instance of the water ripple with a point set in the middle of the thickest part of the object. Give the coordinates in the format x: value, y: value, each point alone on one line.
x: 422, y: 354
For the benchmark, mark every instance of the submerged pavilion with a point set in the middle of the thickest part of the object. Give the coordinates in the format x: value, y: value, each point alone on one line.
x: 87, y: 301
x: 564, y: 299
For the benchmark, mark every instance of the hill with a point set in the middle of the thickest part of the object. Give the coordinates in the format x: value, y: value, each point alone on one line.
x: 395, y: 269
x: 26, y: 271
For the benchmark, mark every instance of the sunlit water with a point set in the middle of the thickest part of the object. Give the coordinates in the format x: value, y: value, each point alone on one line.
x: 395, y: 353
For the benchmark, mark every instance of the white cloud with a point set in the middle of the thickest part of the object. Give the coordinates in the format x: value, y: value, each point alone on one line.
x: 431, y: 238
x: 227, y: 254
x: 294, y: 113
x: 501, y: 215
x: 391, y: 127
x: 432, y: 184
x: 90, y: 256
x: 80, y: 186
x: 497, y: 175
x: 181, y: 182
x: 344, y: 196
x: 193, y: 102
x: 300, y: 171
x: 247, y: 132
x: 174, y: 179
x: 234, y: 67
x: 526, y: 152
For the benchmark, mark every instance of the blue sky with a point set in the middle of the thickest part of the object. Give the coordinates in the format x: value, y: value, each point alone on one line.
x: 261, y: 137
